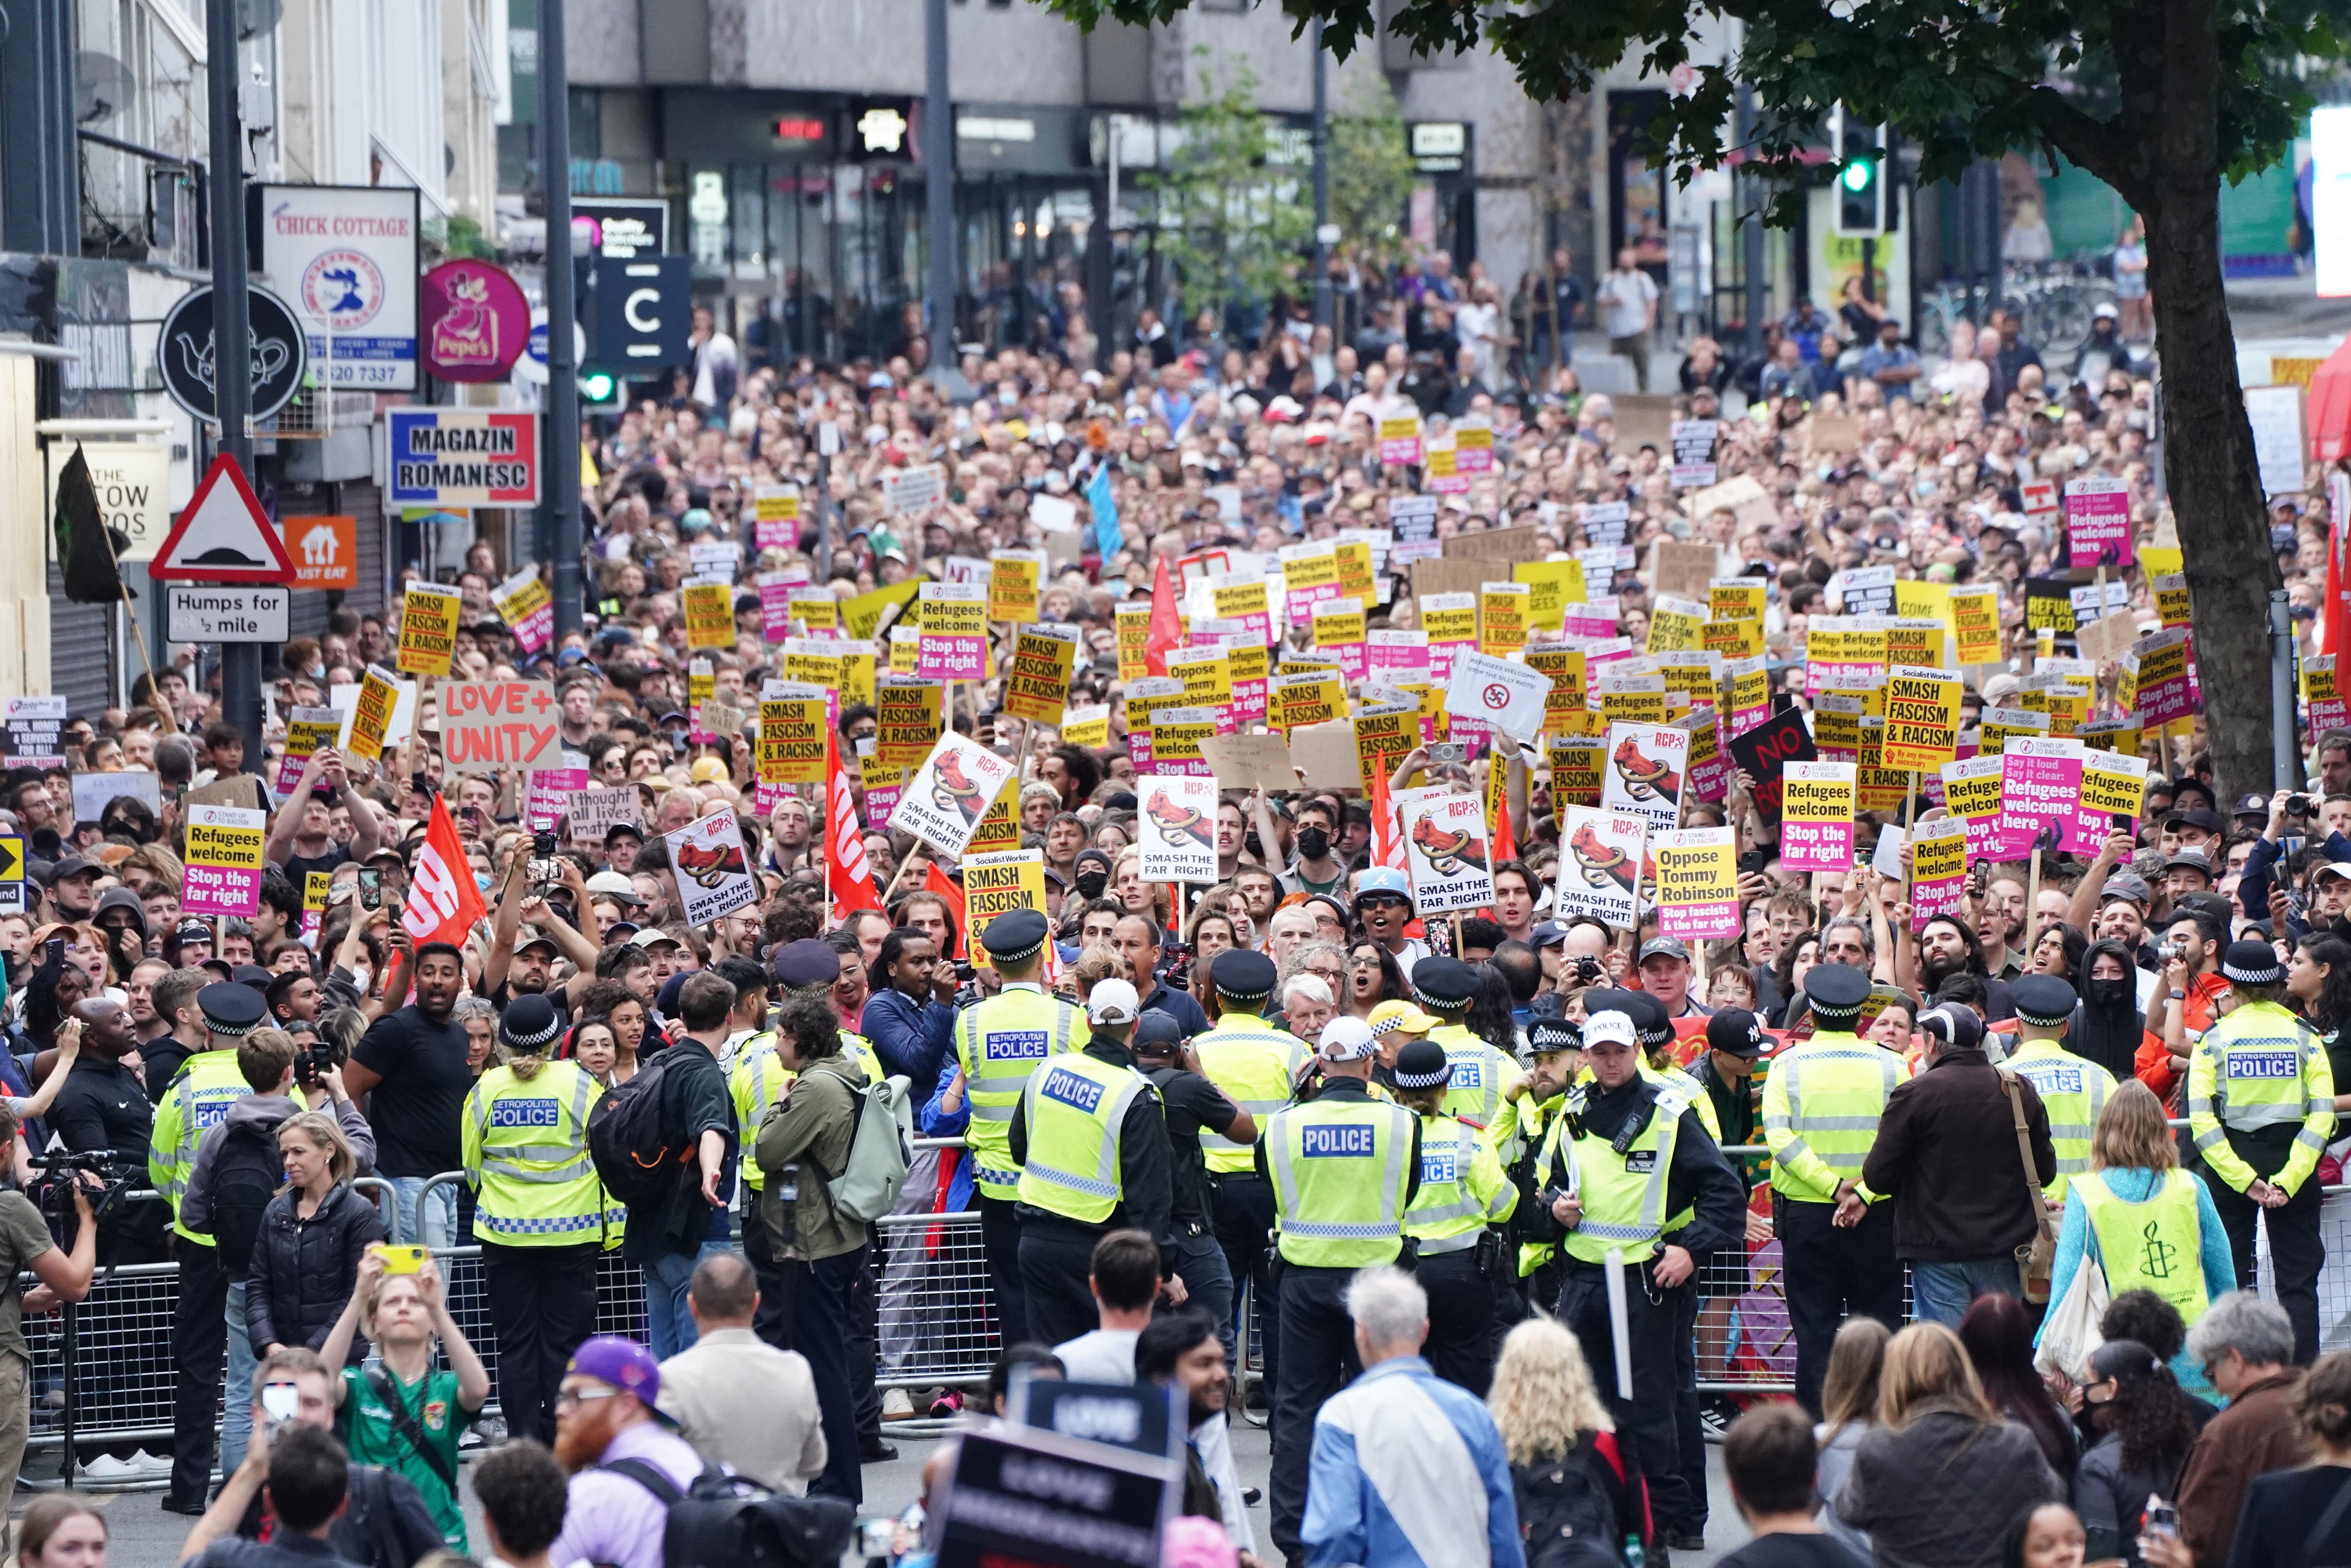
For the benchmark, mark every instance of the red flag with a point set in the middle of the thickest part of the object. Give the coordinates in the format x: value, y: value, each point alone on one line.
x: 442, y: 903
x: 1166, y: 633
x: 1506, y: 843
x: 2335, y: 623
x: 847, y: 878
x: 937, y: 881
x: 1387, y: 837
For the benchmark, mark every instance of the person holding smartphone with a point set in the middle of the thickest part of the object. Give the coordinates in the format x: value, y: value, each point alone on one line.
x: 301, y: 839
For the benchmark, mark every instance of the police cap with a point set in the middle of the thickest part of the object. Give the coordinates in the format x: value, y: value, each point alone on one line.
x: 232, y: 1010
x: 1421, y: 1065
x: 1836, y: 992
x: 1444, y: 983
x: 2041, y: 999
x: 1241, y: 975
x: 529, y: 1024
x: 1015, y: 936
x: 1545, y: 1036
x: 808, y: 962
x: 1648, y: 1016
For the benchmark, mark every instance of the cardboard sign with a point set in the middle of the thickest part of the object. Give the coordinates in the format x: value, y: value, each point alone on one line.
x: 429, y: 615
x: 594, y: 813
x: 93, y: 792
x: 1763, y: 751
x: 953, y: 644
x: 1250, y: 761
x: 1178, y: 824
x: 1597, y: 874
x: 713, y: 873
x: 1445, y: 854
x: 1682, y: 571
x: 1508, y: 697
x: 1697, y: 891
x: 1037, y: 678
x: 912, y: 491
x: 1646, y: 767
x: 491, y: 724
x: 527, y: 609
x: 949, y: 791
x: 1922, y: 717
x: 223, y: 866
x: 709, y: 609
x: 1816, y: 806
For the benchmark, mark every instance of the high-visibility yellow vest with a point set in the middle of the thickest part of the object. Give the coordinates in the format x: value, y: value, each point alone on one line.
x: 1341, y: 1170
x: 2073, y: 1092
x: 1550, y: 1164
x: 524, y: 1147
x: 1255, y: 1065
x: 2158, y: 1245
x: 999, y: 1044
x: 1694, y: 1096
x: 1482, y: 1075
x: 1820, y: 1105
x: 199, y: 1096
x: 1462, y: 1188
x: 1074, y: 1107
x: 1623, y: 1196
x: 2260, y: 1067
x: 756, y: 1080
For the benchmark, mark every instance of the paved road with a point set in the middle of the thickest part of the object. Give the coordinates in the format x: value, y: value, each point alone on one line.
x: 143, y: 1536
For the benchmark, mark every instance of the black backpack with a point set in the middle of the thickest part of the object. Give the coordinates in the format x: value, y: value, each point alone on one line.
x: 638, y: 1158
x: 725, y: 1520
x: 247, y: 1173
x: 1568, y: 1518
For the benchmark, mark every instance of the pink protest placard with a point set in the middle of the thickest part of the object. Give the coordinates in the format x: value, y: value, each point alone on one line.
x: 544, y: 802
x: 2097, y: 524
x: 1816, y: 817
x: 1394, y: 656
x: 1595, y: 618
x: 775, y: 607
x: 2040, y: 782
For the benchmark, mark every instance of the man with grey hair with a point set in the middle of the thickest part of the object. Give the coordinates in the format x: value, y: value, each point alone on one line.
x: 2246, y: 1346
x: 1405, y: 1467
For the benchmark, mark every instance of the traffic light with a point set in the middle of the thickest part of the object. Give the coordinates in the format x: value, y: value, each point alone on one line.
x: 599, y: 389
x: 1860, y: 187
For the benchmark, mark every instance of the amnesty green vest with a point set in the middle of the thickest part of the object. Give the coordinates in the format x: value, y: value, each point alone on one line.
x: 756, y: 1080
x: 1341, y: 1170
x: 2073, y: 1092
x: 1462, y: 1188
x: 1255, y: 1065
x: 199, y: 1096
x: 1481, y: 1074
x: 1074, y: 1107
x: 525, y: 1153
x: 999, y: 1042
x: 1623, y: 1196
x: 2158, y: 1245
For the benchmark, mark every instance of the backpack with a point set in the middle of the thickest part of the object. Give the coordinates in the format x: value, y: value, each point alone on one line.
x: 1568, y: 1518
x: 873, y: 1171
x: 725, y: 1520
x: 636, y: 1157
x: 247, y: 1173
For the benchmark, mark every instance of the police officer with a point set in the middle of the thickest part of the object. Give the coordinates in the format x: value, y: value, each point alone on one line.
x: 195, y: 1101
x: 541, y: 1215
x: 1482, y: 1075
x: 1257, y: 1066
x: 2072, y: 1090
x: 1821, y: 1107
x: 1194, y: 1109
x: 1522, y: 1138
x: 1344, y: 1169
x: 1092, y: 1149
x: 1632, y: 1152
x: 2261, y: 1107
x: 1462, y: 1192
x: 998, y: 1043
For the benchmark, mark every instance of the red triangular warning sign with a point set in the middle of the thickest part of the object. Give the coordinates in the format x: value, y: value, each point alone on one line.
x: 224, y: 536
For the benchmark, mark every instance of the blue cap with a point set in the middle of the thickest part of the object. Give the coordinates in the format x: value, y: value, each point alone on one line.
x: 1383, y: 881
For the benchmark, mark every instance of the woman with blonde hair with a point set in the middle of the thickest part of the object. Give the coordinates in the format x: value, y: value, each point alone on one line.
x: 1562, y: 1448
x: 1941, y: 1479
x: 2147, y: 1222
x: 1849, y: 1396
x: 306, y: 1255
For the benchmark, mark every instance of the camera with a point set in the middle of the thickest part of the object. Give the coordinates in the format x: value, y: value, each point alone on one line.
x: 1587, y: 969
x: 57, y: 1172
x: 312, y: 1063
x: 2297, y: 806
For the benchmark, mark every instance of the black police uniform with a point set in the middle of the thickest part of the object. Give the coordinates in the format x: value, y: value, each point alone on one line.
x: 1460, y: 1344
x: 1192, y: 1104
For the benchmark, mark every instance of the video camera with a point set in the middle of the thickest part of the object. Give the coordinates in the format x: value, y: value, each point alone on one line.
x: 57, y: 1172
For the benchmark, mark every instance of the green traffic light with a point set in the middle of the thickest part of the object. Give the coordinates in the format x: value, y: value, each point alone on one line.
x: 1857, y: 174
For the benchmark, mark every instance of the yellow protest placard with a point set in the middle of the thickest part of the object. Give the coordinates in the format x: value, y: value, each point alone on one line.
x: 1975, y: 622
x: 428, y: 628
x: 1564, y: 712
x: 1087, y: 726
x: 1632, y: 699
x: 1452, y: 618
x: 1992, y: 733
x: 372, y: 714
x: 815, y: 610
x: 1576, y: 766
x: 906, y: 715
x: 1206, y: 674
x: 1880, y: 788
x: 1917, y: 600
x: 860, y: 617
x: 1971, y: 788
x: 906, y: 652
x: 1553, y: 586
x: 1735, y: 598
x: 1015, y: 583
x: 1177, y: 732
x: 2111, y: 735
x: 1307, y: 697
x: 1836, y: 724
x: 520, y: 597
x: 995, y: 884
x: 791, y: 739
x: 1385, y: 731
x: 1916, y: 641
x: 1310, y: 566
x: 1354, y: 557
x: 1133, y: 619
x: 1676, y: 624
x: 1504, y: 617
x: 999, y: 826
x: 709, y: 614
x: 2114, y: 784
x: 1922, y: 717
x: 1338, y: 623
x: 2172, y: 600
x: 814, y: 661
x: 1241, y: 601
x: 1037, y: 680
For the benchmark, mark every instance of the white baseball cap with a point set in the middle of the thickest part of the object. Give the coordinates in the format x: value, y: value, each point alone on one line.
x: 1346, y: 1039
x: 1610, y: 1026
x: 1113, y: 1001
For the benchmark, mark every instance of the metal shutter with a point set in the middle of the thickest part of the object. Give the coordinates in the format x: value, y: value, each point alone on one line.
x: 81, y: 653
x: 361, y: 500
x: 308, y: 615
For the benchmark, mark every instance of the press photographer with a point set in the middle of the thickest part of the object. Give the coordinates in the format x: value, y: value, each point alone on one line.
x: 25, y: 1243
x: 103, y: 1105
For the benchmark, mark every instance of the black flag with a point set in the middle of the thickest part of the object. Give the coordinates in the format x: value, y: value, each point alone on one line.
x: 87, y: 556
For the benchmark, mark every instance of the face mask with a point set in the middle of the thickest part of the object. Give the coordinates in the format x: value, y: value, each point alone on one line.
x: 1314, y: 843
x: 482, y: 880
x: 2109, y: 993
x: 1091, y: 883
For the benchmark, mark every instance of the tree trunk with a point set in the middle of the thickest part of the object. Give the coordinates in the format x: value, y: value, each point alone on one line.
x: 2215, y: 484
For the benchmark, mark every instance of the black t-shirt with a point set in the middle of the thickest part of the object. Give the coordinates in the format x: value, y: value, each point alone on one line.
x: 162, y: 1056
x: 300, y: 867
x: 693, y: 1100
x: 104, y: 1104
x: 1191, y: 1103
x: 1793, y: 1551
x: 416, y: 1110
